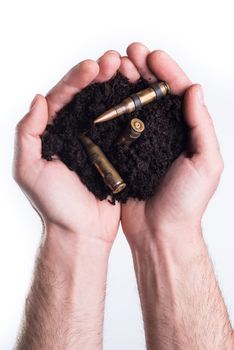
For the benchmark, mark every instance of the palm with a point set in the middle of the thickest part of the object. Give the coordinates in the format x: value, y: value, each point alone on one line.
x: 64, y: 200
x: 56, y: 192
x: 175, y: 199
x: 186, y: 188
x: 59, y: 194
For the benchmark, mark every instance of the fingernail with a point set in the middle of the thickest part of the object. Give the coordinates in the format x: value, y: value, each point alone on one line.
x: 33, y: 103
x: 200, y: 96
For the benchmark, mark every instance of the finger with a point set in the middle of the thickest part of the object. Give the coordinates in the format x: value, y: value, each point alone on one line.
x: 28, y: 131
x: 138, y: 53
x: 165, y: 68
x: 75, y: 80
x: 128, y: 69
x: 202, y: 133
x: 108, y: 65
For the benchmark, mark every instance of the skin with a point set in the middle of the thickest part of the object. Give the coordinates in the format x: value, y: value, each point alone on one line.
x: 181, y: 302
x: 55, y: 191
x: 174, y: 273
x: 64, y: 309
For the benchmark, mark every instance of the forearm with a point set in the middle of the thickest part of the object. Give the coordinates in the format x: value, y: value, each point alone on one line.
x: 65, y: 307
x: 182, y: 304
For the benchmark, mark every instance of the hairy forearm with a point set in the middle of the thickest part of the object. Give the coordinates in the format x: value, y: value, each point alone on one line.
x: 65, y: 306
x: 182, y: 304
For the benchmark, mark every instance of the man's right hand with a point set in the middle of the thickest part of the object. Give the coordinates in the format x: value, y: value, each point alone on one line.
x: 180, y: 298
x: 183, y: 194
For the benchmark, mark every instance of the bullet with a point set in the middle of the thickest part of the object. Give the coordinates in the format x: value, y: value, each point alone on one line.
x: 135, y: 101
x: 109, y: 174
x: 132, y: 132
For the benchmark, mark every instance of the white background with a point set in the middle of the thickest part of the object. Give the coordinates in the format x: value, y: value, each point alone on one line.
x: 40, y: 41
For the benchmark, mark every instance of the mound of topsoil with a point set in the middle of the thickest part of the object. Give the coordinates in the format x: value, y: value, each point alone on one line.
x: 140, y: 164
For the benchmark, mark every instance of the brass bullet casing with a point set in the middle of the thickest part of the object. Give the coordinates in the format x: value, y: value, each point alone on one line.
x: 135, y: 101
x: 132, y: 132
x: 109, y: 174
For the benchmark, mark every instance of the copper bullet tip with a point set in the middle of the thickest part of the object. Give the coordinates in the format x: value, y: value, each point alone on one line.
x: 110, y: 114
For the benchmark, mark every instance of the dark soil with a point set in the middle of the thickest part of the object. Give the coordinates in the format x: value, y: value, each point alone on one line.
x: 141, y: 164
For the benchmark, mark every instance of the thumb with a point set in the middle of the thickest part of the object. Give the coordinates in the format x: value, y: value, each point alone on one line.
x: 35, y: 121
x: 28, y: 131
x: 202, y: 133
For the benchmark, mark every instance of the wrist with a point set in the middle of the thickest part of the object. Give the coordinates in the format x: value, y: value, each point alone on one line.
x: 178, y: 239
x: 55, y: 235
x: 66, y: 302
x: 72, y: 252
x: 168, y: 258
x: 76, y: 260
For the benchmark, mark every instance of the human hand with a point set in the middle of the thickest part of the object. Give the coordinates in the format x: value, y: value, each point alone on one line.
x: 185, y: 190
x: 54, y: 191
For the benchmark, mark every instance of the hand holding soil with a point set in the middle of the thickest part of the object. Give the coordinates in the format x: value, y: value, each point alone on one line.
x: 59, y: 195
x: 175, y: 166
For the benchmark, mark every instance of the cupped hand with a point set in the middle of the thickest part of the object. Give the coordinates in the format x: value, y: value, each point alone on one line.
x: 185, y: 190
x: 54, y: 191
